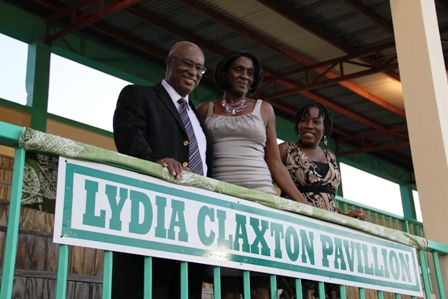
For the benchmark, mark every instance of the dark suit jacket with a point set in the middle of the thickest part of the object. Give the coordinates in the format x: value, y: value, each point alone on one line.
x: 147, y: 125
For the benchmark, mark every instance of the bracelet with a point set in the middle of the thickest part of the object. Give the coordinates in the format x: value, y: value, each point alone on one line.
x: 345, y: 213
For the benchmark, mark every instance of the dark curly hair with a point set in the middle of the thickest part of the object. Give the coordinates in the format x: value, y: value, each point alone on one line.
x: 221, y: 78
x: 323, y: 112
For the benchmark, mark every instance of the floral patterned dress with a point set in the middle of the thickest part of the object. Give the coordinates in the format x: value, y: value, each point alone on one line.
x: 318, y: 182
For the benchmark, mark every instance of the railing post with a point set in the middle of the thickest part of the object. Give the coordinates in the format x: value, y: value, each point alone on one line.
x: 440, y: 286
x: 183, y: 280
x: 61, y: 282
x: 342, y: 292
x: 107, y: 275
x: 299, y: 293
x: 273, y: 283
x: 321, y: 287
x: 12, y: 233
x: 147, y: 288
x: 217, y: 283
x: 424, y: 269
x: 362, y: 293
x: 246, y: 284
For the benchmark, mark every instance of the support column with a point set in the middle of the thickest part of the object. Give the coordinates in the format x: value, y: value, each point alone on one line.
x: 38, y: 82
x: 407, y: 201
x: 425, y: 92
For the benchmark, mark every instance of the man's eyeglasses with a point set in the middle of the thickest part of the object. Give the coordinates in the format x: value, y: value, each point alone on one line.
x: 188, y: 64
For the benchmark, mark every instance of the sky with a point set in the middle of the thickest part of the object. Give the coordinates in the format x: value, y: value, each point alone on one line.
x: 89, y: 96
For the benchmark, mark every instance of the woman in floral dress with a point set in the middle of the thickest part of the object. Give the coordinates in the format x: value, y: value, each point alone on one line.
x: 314, y: 170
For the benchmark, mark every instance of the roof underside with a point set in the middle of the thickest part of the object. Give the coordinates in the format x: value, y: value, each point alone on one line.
x: 340, y: 53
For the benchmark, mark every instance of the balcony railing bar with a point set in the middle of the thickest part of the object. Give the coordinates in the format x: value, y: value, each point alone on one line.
x: 13, y: 225
x: 425, y: 274
x: 384, y: 218
x: 63, y: 258
x: 435, y: 256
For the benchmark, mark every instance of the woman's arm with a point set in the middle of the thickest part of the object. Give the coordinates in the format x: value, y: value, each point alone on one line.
x: 282, y: 149
x: 272, y: 156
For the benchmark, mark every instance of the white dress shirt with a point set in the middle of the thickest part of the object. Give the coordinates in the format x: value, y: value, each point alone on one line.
x: 198, y: 132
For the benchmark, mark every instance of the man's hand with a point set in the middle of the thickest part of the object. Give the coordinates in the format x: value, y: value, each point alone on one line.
x: 174, y: 167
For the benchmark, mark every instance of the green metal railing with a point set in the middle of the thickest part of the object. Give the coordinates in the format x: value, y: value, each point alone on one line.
x: 383, y: 218
x: 9, y: 135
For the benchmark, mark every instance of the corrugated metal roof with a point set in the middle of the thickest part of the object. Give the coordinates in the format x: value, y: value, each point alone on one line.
x: 330, y: 30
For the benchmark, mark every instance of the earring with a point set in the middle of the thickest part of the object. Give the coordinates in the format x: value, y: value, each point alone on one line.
x: 325, y: 139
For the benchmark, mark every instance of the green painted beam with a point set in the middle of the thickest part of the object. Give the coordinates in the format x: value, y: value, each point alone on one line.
x: 38, y: 83
x: 9, y: 134
x: 438, y: 247
x: 407, y: 201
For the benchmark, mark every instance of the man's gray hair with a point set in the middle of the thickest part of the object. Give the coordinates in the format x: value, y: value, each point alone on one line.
x: 175, y: 48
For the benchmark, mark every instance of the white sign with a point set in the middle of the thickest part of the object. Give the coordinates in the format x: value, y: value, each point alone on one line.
x: 110, y: 208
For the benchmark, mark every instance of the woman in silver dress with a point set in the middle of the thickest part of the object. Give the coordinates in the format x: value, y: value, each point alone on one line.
x: 245, y: 146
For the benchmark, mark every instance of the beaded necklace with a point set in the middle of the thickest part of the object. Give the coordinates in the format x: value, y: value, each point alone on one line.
x: 233, y: 108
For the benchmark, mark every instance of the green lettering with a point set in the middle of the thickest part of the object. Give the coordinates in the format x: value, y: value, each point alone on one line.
x: 307, y: 246
x: 203, y: 213
x: 405, y: 267
x: 339, y: 255
x: 116, y: 207
x: 277, y: 233
x: 358, y: 254
x: 327, y: 249
x: 292, y: 246
x: 222, y: 241
x: 89, y: 217
x: 259, y: 237
x: 178, y: 219
x: 386, y: 267
x: 379, y: 270
x: 241, y: 233
x: 160, y: 227
x: 394, y: 265
x: 350, y: 254
x: 137, y: 199
x: 368, y: 266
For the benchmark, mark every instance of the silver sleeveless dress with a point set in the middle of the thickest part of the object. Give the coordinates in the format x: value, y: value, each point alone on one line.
x: 239, y: 143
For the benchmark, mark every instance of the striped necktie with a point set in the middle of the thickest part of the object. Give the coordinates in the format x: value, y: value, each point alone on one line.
x: 195, y: 161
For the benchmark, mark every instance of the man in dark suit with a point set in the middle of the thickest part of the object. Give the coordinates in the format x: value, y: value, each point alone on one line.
x: 147, y: 125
